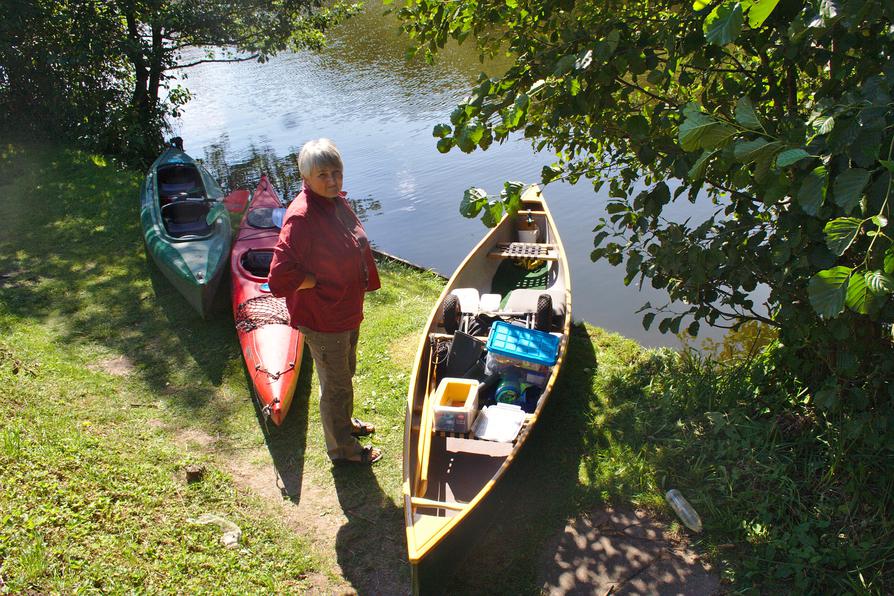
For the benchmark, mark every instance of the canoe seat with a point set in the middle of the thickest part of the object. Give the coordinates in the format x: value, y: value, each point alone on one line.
x: 468, y: 299
x: 525, y: 300
x: 185, y: 218
x: 525, y: 250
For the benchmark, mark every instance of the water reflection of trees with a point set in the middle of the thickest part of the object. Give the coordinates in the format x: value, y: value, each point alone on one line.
x: 281, y: 171
x: 741, y: 343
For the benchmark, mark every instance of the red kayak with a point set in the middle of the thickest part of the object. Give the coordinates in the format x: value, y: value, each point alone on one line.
x: 271, y: 347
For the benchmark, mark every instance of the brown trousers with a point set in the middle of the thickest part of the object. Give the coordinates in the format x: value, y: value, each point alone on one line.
x: 335, y: 358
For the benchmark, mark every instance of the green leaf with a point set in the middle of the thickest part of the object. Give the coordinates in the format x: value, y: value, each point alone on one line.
x: 550, y: 173
x: 824, y: 124
x: 441, y: 130
x: 759, y: 11
x: 813, y: 191
x: 880, y: 282
x: 889, y: 260
x: 701, y: 131
x: 827, y: 290
x: 637, y: 127
x: 511, y: 195
x: 790, y: 157
x: 858, y: 294
x: 848, y: 188
x: 474, y: 199
x: 764, y: 159
x: 674, y: 326
x: 826, y: 398
x: 564, y: 64
x: 829, y: 8
x: 444, y: 145
x: 469, y: 136
x: 493, y: 213
x: 724, y: 24
x: 647, y: 320
x: 840, y: 233
x: 746, y: 151
x: 889, y: 165
x: 697, y: 172
x: 745, y: 114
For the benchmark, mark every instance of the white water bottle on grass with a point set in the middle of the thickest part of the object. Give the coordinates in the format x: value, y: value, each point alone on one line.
x: 684, y: 510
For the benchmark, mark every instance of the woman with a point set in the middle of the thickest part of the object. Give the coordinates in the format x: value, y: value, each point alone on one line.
x: 323, y: 266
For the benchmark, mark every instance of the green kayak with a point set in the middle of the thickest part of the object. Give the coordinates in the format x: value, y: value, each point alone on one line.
x: 186, y: 226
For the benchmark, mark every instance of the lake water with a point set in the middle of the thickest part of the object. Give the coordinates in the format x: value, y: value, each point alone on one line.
x: 380, y: 109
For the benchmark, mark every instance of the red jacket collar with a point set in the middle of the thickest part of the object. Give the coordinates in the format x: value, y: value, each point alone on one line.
x: 311, y: 195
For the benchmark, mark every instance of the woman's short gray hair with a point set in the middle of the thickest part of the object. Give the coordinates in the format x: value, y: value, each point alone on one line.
x: 318, y: 153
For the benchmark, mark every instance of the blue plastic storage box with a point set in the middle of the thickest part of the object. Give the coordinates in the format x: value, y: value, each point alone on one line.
x: 520, y: 343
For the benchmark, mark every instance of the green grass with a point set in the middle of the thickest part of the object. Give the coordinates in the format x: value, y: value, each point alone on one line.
x: 92, y: 488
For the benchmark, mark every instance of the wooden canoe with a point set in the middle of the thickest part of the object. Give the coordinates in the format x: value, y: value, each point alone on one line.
x: 186, y: 225
x: 447, y: 476
x: 271, y: 347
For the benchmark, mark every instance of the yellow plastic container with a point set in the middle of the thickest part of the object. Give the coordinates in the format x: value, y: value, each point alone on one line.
x: 455, y: 404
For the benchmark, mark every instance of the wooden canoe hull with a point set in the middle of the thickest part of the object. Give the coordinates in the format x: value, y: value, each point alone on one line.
x: 449, y: 478
x: 272, y: 350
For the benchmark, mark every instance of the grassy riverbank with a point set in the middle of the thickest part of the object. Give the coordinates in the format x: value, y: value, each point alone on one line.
x: 112, y: 387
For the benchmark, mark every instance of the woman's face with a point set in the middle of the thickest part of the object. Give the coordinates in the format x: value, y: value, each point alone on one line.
x: 325, y: 181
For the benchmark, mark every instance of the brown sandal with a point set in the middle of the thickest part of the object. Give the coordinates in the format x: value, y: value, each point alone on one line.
x: 361, y: 428
x: 368, y: 456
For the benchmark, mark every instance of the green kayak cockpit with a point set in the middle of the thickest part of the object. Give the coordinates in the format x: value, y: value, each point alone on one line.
x: 183, y: 201
x: 186, y: 218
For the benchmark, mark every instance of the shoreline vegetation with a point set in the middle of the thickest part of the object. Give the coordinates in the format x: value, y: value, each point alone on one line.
x: 115, y: 392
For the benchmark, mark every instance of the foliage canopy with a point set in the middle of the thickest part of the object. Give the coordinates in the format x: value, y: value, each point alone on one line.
x: 103, y: 73
x: 779, y: 112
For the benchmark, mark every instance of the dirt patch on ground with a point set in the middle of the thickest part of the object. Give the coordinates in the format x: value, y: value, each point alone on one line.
x: 192, y: 437
x: 612, y: 551
x: 120, y: 366
x: 403, y: 351
x: 315, y: 513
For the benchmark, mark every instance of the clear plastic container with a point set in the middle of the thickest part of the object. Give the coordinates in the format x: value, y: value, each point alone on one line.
x: 684, y: 510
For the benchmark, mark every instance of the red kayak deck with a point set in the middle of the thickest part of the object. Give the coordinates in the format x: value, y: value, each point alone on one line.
x: 271, y: 347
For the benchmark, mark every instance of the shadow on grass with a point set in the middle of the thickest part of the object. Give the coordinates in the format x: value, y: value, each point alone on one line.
x: 287, y: 442
x: 73, y: 253
x: 370, y: 547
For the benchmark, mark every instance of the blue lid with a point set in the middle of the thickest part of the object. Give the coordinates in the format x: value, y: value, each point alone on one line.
x: 265, y: 287
x: 523, y: 344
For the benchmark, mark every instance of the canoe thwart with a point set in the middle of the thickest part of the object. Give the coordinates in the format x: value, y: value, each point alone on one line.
x: 525, y: 250
x: 446, y: 434
x: 453, y: 506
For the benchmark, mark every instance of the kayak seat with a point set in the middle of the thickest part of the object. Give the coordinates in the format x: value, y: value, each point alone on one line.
x: 178, y: 180
x: 257, y: 262
x: 185, y: 218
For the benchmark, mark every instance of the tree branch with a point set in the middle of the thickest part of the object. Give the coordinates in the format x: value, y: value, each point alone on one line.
x: 206, y: 61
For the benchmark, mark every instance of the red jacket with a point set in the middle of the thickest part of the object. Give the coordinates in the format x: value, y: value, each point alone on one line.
x: 323, y: 236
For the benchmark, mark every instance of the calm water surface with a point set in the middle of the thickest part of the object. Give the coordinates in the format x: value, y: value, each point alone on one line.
x: 380, y: 110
